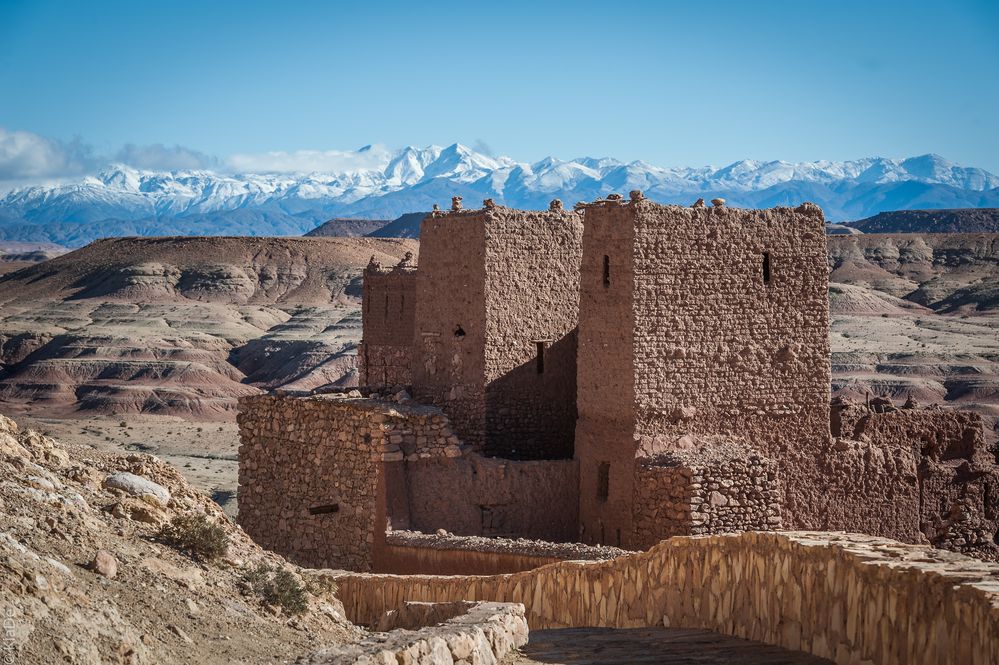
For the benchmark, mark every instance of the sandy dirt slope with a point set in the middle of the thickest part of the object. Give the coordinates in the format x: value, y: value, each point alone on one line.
x: 182, y: 326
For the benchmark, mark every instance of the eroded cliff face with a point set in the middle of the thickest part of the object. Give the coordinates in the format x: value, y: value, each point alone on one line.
x: 182, y: 326
x: 917, y: 314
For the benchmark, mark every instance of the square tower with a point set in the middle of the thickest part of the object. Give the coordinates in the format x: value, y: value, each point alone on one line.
x: 698, y: 321
x: 388, y: 312
x: 497, y: 298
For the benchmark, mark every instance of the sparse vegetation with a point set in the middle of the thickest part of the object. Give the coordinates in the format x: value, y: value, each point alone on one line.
x: 277, y: 587
x: 196, y: 535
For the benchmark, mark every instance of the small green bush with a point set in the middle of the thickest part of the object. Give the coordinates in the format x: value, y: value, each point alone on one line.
x: 277, y: 586
x: 197, y: 535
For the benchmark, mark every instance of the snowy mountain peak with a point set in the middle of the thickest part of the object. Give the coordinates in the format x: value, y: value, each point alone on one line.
x: 379, y: 182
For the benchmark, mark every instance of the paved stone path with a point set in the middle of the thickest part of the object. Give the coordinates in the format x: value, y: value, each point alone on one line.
x: 650, y: 646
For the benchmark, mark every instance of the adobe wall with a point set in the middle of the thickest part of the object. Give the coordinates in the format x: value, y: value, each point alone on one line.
x: 450, y: 324
x: 479, y: 496
x: 388, y: 306
x: 532, y: 296
x: 382, y: 465
x: 845, y: 597
x: 492, y: 285
x: 942, y: 483
x: 605, y: 380
x: 716, y: 485
x: 745, y: 354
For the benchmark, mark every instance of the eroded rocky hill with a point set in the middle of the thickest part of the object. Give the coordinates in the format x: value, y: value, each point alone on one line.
x: 917, y: 314
x: 182, y: 325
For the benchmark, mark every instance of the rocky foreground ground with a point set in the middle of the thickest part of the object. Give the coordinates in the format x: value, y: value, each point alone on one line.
x: 91, y: 570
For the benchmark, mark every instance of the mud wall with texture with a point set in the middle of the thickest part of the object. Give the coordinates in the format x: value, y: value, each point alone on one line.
x: 388, y: 306
x: 450, y: 327
x: 849, y: 598
x: 532, y: 307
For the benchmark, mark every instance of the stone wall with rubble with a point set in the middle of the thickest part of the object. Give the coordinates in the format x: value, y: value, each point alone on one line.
x: 497, y: 288
x: 946, y: 478
x: 388, y: 306
x: 849, y: 598
x: 715, y: 485
x: 435, y: 633
x: 321, y: 479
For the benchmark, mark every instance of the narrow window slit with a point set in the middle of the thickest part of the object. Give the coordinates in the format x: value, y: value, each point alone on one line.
x: 325, y: 509
x: 540, y: 357
x: 766, y: 267
x: 603, y: 481
x: 606, y: 270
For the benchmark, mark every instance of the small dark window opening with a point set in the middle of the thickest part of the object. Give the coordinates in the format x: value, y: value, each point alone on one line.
x: 459, y: 332
x: 386, y: 306
x: 603, y: 481
x: 367, y: 302
x: 606, y: 270
x: 325, y: 510
x: 402, y: 303
x: 541, y: 357
x: 766, y: 267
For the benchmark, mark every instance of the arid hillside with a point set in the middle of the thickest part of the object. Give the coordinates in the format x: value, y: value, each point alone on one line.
x: 115, y: 559
x: 917, y: 314
x: 182, y: 326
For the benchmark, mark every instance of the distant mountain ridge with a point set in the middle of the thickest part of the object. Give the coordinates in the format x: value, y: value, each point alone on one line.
x: 964, y: 220
x: 380, y: 183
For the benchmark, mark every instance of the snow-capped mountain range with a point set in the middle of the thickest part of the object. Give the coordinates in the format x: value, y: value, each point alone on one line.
x: 378, y: 182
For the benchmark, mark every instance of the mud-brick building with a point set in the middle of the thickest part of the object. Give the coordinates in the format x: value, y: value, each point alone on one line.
x: 489, y: 330
x: 698, y: 327
x: 613, y: 375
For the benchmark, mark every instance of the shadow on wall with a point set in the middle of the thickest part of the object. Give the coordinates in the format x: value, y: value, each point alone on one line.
x: 531, y: 410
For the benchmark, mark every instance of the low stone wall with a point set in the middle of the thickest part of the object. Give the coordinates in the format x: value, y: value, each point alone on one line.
x: 718, y: 485
x: 482, y: 634
x: 412, y: 553
x: 849, y: 598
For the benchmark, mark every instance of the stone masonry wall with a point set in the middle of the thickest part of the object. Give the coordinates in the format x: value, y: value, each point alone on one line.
x: 731, y: 335
x: 308, y: 479
x: 715, y: 486
x: 849, y: 598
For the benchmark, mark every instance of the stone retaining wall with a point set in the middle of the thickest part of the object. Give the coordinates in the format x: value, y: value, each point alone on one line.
x: 850, y: 598
x: 482, y: 634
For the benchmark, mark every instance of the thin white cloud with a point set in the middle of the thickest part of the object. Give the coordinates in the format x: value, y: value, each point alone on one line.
x: 159, y: 157
x: 309, y: 161
x: 26, y: 156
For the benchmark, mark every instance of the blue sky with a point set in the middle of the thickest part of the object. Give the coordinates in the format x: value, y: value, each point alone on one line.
x: 674, y: 84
